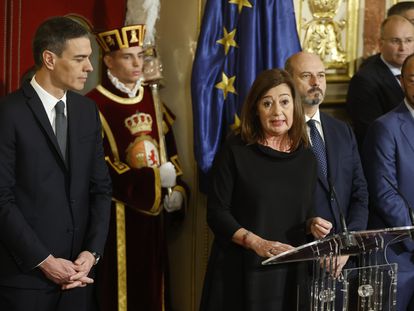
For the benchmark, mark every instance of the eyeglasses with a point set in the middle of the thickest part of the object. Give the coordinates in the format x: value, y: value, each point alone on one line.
x: 398, y: 41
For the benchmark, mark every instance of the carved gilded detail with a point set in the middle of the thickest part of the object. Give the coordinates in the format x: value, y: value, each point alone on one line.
x: 323, y: 33
x: 329, y: 29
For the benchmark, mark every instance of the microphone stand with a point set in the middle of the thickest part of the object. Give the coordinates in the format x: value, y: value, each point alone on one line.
x: 348, y: 239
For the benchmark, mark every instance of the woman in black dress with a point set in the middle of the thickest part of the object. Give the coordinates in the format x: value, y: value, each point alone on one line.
x: 260, y: 203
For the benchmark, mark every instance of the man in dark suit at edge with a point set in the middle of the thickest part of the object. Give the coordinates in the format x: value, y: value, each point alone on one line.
x: 55, y: 190
x: 340, y: 171
x: 404, y: 9
x: 375, y: 88
x: 387, y: 155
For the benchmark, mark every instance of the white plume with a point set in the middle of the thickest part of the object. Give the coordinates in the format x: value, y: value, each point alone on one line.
x: 143, y: 12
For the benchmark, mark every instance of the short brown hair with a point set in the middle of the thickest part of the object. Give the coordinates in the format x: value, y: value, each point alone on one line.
x: 251, y: 128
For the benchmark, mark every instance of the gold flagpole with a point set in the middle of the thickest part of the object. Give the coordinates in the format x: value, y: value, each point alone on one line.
x: 153, y: 76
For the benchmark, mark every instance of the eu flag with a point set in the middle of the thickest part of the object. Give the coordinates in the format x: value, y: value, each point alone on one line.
x: 238, y: 39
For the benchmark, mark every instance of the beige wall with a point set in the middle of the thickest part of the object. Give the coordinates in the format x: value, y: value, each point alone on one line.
x: 177, y: 31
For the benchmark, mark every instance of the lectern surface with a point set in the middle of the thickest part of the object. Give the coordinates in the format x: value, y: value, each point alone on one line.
x: 353, y: 243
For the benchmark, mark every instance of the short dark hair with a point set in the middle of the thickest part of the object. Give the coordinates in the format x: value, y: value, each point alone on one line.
x: 400, y: 7
x: 251, y: 128
x: 405, y: 63
x: 52, y: 35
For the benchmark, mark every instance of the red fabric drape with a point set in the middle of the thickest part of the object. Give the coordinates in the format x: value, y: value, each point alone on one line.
x: 20, y: 18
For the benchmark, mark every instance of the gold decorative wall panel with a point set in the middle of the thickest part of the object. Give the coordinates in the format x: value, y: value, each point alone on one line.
x: 329, y: 29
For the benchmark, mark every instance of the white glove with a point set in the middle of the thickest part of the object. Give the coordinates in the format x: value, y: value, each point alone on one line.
x: 168, y: 175
x: 173, y: 202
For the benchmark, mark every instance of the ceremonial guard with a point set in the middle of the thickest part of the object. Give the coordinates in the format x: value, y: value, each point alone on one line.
x: 142, y: 158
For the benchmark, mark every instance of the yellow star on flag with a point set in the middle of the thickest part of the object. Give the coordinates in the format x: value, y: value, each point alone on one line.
x: 228, y: 40
x: 241, y: 4
x: 226, y: 85
x: 236, y: 123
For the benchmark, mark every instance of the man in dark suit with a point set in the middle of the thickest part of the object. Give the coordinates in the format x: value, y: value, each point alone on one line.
x: 55, y: 190
x: 340, y: 169
x: 388, y: 154
x: 375, y: 89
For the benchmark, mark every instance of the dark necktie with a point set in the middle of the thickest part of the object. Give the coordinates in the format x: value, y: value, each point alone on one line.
x: 61, y: 126
x: 318, y: 147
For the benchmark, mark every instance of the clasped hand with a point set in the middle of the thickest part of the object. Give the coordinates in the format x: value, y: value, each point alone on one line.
x: 319, y: 227
x: 69, y: 274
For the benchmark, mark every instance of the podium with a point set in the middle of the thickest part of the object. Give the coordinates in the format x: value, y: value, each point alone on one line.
x: 370, y: 286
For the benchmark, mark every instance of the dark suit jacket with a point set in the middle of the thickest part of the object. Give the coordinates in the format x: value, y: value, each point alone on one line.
x: 389, y: 151
x: 346, y: 176
x: 373, y: 91
x: 47, y: 207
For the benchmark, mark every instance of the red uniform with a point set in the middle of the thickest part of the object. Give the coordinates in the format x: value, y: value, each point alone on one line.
x: 131, y: 275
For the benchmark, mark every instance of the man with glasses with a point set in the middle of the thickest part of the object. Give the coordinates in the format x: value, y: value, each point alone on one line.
x: 330, y: 139
x: 339, y: 165
x: 375, y: 89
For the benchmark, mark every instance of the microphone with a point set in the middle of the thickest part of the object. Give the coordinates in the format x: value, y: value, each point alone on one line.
x: 406, y: 203
x: 348, y: 239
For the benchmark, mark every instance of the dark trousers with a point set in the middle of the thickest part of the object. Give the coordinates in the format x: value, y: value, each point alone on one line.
x: 51, y: 299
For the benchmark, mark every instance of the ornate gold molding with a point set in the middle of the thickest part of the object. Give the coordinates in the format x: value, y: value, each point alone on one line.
x: 121, y: 256
x: 331, y: 33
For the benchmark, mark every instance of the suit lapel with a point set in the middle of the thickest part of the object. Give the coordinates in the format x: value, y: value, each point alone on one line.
x: 331, y: 139
x: 331, y: 152
x: 407, y: 124
x: 39, y: 112
x: 330, y: 136
x: 322, y: 179
x: 73, y: 120
x: 388, y: 78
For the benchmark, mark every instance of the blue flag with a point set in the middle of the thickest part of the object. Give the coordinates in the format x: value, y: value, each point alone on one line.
x: 238, y: 40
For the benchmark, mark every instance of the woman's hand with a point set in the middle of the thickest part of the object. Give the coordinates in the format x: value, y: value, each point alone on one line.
x: 266, y: 248
x: 262, y: 247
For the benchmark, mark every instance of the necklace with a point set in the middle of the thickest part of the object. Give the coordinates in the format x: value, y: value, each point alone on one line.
x: 282, y: 145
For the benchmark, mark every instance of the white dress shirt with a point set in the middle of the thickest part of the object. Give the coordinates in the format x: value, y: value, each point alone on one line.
x: 48, y: 101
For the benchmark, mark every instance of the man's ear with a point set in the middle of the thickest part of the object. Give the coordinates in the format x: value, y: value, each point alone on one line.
x: 49, y: 59
x: 380, y: 43
x: 108, y: 61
